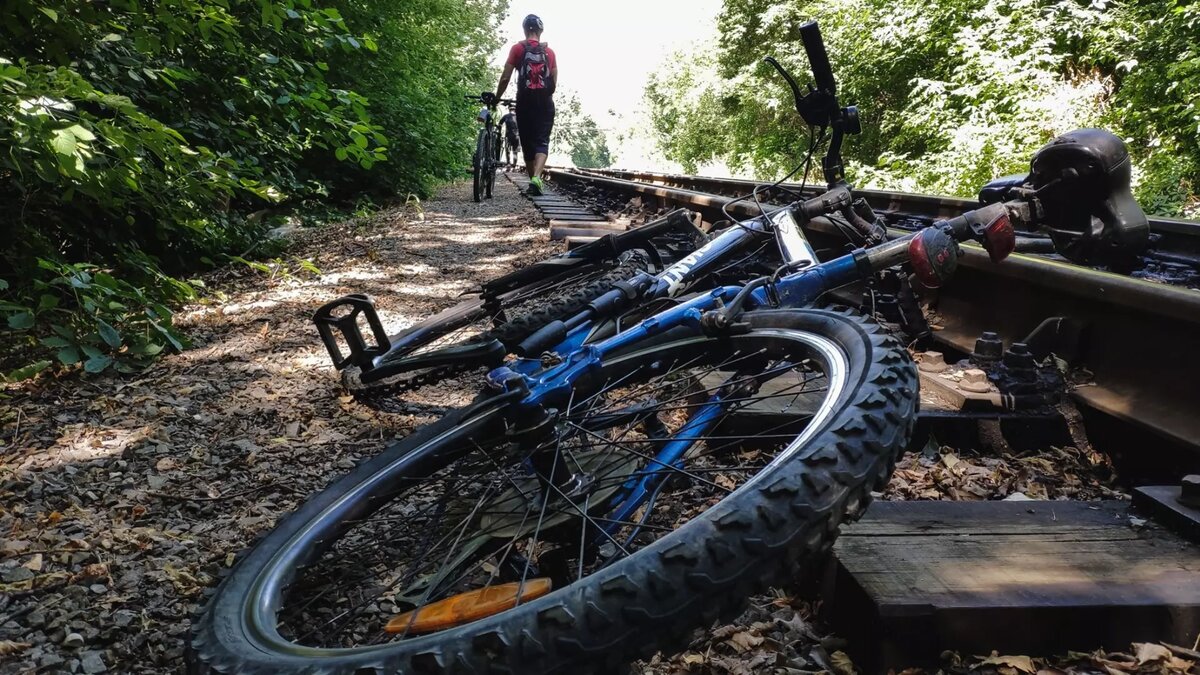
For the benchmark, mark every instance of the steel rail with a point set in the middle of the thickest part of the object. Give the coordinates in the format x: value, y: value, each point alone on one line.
x: 1141, y: 339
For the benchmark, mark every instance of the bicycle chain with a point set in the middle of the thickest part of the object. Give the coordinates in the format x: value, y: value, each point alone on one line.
x: 382, y: 397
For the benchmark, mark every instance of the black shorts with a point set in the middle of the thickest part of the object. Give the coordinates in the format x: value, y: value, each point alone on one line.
x: 535, y: 121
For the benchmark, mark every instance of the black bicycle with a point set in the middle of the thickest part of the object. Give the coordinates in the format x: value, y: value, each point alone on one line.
x: 487, y: 145
x: 511, y: 139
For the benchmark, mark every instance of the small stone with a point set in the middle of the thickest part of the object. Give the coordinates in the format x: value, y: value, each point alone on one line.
x: 123, y: 617
x: 98, y: 588
x: 73, y: 640
x: 50, y: 660
x: 16, y: 574
x: 92, y: 662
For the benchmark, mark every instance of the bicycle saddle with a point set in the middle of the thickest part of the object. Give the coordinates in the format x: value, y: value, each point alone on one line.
x: 1081, y: 179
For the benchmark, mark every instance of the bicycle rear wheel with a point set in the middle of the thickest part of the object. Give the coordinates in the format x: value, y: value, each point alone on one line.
x: 815, y: 406
x: 432, y: 350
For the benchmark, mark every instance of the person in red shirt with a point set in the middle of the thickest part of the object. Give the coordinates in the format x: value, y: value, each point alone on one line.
x: 537, y: 78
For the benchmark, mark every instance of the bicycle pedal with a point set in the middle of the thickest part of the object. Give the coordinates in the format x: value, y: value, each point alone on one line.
x: 343, y: 315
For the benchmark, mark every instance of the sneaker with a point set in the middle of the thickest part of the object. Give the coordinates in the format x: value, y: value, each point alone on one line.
x: 535, y: 186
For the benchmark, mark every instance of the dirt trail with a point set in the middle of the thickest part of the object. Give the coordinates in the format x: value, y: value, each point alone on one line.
x: 121, y: 498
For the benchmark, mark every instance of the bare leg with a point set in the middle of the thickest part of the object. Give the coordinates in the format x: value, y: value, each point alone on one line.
x: 539, y: 163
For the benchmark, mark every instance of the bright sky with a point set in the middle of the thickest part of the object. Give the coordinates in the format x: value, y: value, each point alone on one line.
x: 607, y: 48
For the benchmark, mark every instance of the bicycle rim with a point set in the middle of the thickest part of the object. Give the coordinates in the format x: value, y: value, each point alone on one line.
x: 464, y: 511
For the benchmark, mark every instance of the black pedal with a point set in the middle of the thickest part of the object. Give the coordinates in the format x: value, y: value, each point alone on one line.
x: 343, y: 314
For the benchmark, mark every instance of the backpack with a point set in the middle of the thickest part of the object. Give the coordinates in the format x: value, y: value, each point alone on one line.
x: 535, y: 69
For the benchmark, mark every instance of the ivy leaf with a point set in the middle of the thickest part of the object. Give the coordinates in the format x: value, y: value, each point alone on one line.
x: 109, y: 334
x: 97, y: 363
x: 27, y: 372
x: 55, y: 341
x: 68, y: 356
x: 50, y: 13
x: 3, y: 285
x: 21, y: 321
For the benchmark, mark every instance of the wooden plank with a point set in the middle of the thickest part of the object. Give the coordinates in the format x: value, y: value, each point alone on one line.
x: 1161, y: 502
x: 581, y: 218
x: 570, y: 211
x: 576, y: 242
x: 915, y: 578
x: 563, y: 232
x: 589, y: 224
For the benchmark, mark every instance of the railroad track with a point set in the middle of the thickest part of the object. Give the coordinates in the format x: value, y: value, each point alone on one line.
x: 1139, y: 337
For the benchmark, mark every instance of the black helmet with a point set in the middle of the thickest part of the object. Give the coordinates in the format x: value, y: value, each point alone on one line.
x: 532, y: 24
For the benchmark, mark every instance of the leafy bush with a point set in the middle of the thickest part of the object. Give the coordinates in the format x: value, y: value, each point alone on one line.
x: 577, y: 134
x: 952, y: 92
x: 138, y: 145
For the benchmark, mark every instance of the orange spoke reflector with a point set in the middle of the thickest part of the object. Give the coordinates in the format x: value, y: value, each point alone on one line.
x: 467, y: 607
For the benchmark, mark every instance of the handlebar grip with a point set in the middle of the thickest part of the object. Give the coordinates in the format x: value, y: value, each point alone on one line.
x: 818, y: 59
x: 830, y: 202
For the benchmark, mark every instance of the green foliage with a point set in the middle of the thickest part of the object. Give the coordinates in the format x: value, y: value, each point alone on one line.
x: 579, y: 134
x: 91, y: 318
x: 952, y: 92
x: 430, y: 53
x: 135, y: 141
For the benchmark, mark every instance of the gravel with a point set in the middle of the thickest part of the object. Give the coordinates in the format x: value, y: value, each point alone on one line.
x: 124, y: 498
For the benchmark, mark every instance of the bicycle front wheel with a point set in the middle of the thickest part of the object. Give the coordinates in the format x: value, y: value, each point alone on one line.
x: 460, y: 550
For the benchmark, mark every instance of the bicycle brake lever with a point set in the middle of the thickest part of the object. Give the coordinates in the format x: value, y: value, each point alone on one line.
x: 791, y: 82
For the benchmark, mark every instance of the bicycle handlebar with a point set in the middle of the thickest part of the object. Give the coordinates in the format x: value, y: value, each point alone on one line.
x: 818, y: 59
x: 510, y: 102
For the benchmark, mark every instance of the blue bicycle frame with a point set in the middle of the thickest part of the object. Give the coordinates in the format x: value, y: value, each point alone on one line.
x: 797, y: 289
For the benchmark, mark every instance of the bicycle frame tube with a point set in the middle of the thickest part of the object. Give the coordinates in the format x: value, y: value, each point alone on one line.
x: 794, y: 290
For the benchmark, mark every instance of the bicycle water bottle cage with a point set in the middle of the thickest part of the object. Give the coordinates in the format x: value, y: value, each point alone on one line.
x: 1082, y: 181
x: 343, y: 315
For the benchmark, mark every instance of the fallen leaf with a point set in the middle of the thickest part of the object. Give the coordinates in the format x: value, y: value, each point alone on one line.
x: 1147, y: 652
x: 34, y: 563
x: 842, y: 664
x: 745, y: 641
x: 9, y: 647
x: 1021, y: 663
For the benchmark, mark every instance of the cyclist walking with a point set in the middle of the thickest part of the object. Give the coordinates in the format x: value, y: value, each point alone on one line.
x: 512, y: 140
x: 537, y: 77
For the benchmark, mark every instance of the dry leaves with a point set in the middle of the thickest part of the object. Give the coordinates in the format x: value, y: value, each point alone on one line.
x: 10, y: 647
x: 1055, y: 473
x: 122, y: 499
x: 1023, y: 664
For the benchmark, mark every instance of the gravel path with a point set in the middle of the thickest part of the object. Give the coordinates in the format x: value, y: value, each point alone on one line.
x: 122, y: 498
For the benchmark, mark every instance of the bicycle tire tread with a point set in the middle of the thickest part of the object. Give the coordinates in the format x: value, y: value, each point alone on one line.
x: 752, y: 540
